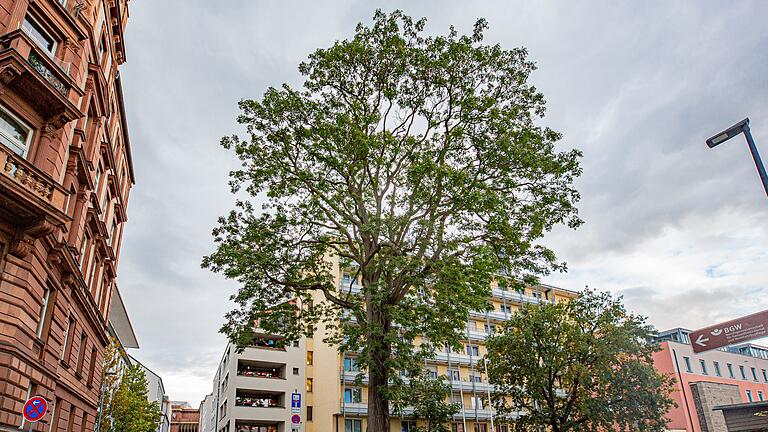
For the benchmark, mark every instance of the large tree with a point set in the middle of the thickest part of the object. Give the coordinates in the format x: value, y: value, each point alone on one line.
x: 582, y: 365
x: 414, y: 159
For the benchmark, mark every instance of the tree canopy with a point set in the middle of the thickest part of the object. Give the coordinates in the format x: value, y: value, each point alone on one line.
x: 130, y: 410
x: 414, y: 160
x: 581, y: 365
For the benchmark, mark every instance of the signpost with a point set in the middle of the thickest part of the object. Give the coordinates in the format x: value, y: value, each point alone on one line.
x: 34, y: 410
x: 742, y: 329
x: 295, y: 411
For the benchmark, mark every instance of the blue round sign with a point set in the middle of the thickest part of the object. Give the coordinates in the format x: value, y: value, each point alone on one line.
x: 35, y: 409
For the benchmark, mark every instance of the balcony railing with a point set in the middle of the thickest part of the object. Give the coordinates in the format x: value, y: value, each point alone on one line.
x: 47, y: 196
x: 46, y: 73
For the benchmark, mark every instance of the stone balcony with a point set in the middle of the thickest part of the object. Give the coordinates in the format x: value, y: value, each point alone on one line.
x: 42, y: 80
x: 29, y: 199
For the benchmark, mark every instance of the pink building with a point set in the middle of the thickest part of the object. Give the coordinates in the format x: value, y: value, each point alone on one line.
x: 709, y: 379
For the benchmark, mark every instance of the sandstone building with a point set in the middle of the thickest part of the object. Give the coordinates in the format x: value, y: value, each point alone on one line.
x: 65, y: 179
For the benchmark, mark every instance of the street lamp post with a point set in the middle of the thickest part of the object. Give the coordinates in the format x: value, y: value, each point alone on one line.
x: 738, y: 128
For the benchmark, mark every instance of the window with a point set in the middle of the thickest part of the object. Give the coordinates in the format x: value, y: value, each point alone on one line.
x: 754, y: 373
x: 353, y: 426
x: 14, y: 134
x: 765, y: 375
x: 353, y: 395
x: 472, y: 350
x: 476, y: 402
x: 717, y: 369
x: 68, y: 338
x: 43, y: 312
x: 81, y: 352
x: 703, y: 366
x: 310, y: 358
x: 92, y: 367
x: 40, y: 36
x: 730, y: 370
x: 481, y: 427
x: 309, y: 385
x: 295, y: 371
x: 749, y: 395
x: 760, y: 396
x: 432, y: 372
x: 743, y: 373
x: 309, y: 412
x: 457, y: 427
x: 350, y: 365
x: 505, y: 308
x: 687, y: 364
x: 454, y: 375
x: 407, y: 425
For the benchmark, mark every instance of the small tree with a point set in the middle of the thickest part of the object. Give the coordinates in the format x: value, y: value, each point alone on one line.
x: 427, y: 397
x: 415, y: 160
x: 130, y: 409
x: 582, y: 365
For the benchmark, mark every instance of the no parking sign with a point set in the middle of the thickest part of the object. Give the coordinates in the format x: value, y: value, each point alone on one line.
x: 34, y: 409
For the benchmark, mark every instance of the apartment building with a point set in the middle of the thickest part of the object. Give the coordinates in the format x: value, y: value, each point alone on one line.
x: 253, y: 389
x: 65, y: 179
x: 727, y: 376
x: 330, y: 399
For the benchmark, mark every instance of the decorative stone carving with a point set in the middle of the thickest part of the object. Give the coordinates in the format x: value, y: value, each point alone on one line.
x: 8, y: 73
x: 21, y: 245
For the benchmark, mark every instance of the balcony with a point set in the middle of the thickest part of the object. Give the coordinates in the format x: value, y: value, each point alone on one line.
x: 29, y: 198
x: 518, y: 297
x: 258, y: 399
x: 255, y: 369
x: 39, y: 79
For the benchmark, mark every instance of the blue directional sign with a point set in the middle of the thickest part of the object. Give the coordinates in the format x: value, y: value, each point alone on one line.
x: 296, y: 400
x: 35, y: 408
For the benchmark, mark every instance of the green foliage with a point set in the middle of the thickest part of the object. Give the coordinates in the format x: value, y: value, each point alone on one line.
x: 427, y: 397
x: 413, y: 159
x: 582, y: 365
x: 130, y: 410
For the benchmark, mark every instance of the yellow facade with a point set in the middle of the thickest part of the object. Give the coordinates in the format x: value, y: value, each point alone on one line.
x: 337, y: 405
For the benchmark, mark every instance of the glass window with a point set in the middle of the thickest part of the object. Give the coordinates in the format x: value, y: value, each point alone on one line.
x: 760, y: 396
x: 717, y: 369
x: 743, y: 373
x: 730, y: 370
x: 353, y: 395
x: 309, y: 385
x: 703, y: 367
x: 749, y: 396
x: 481, y: 427
x: 687, y: 364
x: 14, y: 134
x: 43, y: 311
x: 353, y: 426
x: 754, y: 374
x: 310, y: 358
x: 407, y: 425
x: 350, y: 365
x: 765, y: 376
x: 472, y: 350
x: 454, y: 375
x: 39, y: 35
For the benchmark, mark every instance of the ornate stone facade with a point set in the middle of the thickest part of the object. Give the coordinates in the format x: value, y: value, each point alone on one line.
x: 65, y: 178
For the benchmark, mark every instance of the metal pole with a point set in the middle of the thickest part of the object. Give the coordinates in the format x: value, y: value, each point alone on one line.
x: 756, y: 157
x: 485, y: 363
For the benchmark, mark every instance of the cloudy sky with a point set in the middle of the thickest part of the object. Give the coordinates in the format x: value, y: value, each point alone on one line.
x: 679, y: 230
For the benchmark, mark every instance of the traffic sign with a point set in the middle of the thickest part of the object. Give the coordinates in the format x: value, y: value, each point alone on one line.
x: 295, y: 400
x: 295, y: 419
x: 34, y: 409
x: 742, y: 329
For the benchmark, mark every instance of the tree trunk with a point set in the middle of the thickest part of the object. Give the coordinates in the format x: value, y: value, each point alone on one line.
x: 378, y: 374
